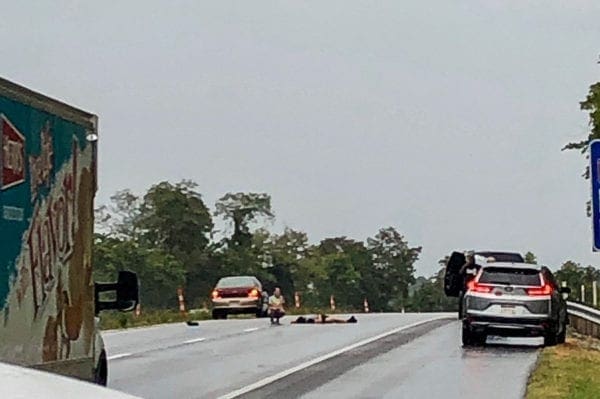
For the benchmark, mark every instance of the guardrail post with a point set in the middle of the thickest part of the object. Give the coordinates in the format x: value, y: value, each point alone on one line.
x: 582, y: 293
x: 595, y: 293
x: 564, y: 284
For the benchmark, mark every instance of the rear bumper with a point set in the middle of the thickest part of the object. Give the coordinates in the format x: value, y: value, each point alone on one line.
x: 523, y: 326
x: 236, y: 304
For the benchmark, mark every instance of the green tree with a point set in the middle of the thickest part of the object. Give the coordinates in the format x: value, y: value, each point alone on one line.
x: 173, y: 217
x: 573, y: 274
x: 286, y: 258
x: 429, y: 295
x: 241, y: 209
x: 393, y: 266
x: 118, y: 218
x: 591, y: 105
x: 160, y: 273
x: 347, y: 265
x: 530, y: 258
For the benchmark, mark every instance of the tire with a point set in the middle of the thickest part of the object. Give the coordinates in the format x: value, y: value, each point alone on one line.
x: 471, y: 338
x: 215, y: 314
x: 480, y: 339
x: 467, y: 336
x: 101, y: 371
x: 551, y: 337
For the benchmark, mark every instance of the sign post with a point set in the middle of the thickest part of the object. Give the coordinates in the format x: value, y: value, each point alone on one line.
x: 595, y: 180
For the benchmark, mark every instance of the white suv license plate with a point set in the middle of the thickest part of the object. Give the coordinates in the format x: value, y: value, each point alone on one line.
x: 508, y: 310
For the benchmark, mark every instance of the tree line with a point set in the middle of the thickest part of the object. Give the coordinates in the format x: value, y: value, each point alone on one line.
x: 168, y: 237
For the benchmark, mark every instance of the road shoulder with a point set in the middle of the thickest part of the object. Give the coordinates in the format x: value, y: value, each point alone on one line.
x: 567, y: 371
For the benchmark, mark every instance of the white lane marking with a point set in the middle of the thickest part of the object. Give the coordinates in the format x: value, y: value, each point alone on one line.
x: 119, y: 356
x: 285, y: 373
x: 251, y: 329
x: 193, y: 341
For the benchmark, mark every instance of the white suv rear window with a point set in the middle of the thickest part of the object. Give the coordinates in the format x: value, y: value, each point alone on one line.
x: 510, y: 276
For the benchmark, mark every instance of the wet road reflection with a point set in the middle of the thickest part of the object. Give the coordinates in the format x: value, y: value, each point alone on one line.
x: 437, y: 366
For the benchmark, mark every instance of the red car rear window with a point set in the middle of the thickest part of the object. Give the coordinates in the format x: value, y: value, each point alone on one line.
x: 231, y: 282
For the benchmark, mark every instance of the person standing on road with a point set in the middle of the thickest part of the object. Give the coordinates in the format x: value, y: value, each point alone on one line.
x: 276, y: 303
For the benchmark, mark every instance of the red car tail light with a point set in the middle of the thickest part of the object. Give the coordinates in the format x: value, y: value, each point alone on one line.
x: 545, y: 289
x: 253, y: 293
x: 474, y: 286
x: 215, y: 294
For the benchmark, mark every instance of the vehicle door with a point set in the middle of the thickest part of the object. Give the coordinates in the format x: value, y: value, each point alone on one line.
x: 453, y: 281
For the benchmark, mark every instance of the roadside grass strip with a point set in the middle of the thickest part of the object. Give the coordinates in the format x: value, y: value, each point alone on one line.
x: 569, y: 371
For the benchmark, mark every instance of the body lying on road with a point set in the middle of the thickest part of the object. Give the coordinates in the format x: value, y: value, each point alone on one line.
x: 323, y: 319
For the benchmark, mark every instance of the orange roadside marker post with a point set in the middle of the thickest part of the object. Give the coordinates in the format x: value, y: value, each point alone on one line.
x: 181, y: 301
x: 297, y: 300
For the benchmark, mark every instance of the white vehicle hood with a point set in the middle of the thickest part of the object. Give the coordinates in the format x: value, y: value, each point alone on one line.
x: 23, y: 383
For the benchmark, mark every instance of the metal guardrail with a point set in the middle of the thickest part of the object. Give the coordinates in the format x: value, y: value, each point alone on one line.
x: 584, y: 319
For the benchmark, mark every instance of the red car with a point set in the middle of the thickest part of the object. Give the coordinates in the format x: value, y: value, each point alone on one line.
x: 237, y: 295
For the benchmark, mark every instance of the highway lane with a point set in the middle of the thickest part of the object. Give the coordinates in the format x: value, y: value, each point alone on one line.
x: 436, y: 366
x: 140, y: 340
x: 250, y: 359
x: 219, y: 357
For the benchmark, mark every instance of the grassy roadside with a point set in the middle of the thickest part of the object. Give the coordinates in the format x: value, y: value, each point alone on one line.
x: 569, y: 371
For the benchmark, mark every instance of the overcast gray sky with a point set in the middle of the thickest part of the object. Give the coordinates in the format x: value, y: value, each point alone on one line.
x: 444, y: 119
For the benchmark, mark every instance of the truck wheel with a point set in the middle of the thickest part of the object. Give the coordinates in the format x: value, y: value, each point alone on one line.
x: 101, y: 370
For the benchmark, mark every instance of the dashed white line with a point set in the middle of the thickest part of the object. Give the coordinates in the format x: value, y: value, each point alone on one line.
x: 251, y: 329
x: 119, y: 356
x: 193, y: 341
x: 285, y: 373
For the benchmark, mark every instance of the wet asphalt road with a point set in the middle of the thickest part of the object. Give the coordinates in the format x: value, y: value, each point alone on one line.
x: 436, y: 366
x: 229, y: 357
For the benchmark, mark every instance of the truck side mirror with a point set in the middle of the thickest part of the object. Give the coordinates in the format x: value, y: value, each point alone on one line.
x: 126, y: 289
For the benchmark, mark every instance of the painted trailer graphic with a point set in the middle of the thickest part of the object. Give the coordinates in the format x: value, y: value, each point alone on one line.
x: 47, y: 189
